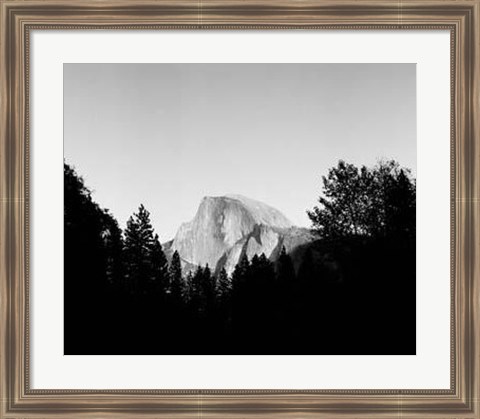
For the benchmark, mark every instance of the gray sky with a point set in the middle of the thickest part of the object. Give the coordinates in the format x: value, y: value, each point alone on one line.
x: 166, y: 135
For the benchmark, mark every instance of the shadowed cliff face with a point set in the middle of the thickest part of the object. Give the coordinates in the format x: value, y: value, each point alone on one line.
x: 225, y: 227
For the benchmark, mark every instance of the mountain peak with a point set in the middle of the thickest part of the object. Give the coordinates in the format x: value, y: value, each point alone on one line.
x: 223, y: 224
x: 260, y: 212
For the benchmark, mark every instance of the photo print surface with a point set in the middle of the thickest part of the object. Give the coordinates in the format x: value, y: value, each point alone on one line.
x: 239, y: 209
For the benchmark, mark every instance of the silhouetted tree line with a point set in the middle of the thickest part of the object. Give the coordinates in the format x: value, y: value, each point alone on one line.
x: 351, y: 291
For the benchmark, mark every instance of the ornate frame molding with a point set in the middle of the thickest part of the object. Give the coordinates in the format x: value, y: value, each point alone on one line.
x: 19, y: 17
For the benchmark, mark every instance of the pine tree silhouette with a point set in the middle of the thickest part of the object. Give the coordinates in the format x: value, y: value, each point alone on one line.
x: 285, y: 270
x: 177, y: 286
x: 159, y: 267
x: 224, y: 286
x: 146, y: 264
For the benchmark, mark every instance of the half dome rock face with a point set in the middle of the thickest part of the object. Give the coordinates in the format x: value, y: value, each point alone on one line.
x: 222, y: 227
x: 262, y: 213
x: 262, y: 239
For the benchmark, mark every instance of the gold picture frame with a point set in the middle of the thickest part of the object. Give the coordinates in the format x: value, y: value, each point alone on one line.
x: 20, y: 17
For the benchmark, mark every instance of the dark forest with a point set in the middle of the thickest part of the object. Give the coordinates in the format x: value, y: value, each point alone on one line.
x: 353, y: 292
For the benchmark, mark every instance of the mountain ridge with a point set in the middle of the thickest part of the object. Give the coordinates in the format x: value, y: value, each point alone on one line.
x: 226, y: 227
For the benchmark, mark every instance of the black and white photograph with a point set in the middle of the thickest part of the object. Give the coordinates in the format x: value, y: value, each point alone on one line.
x: 240, y: 209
